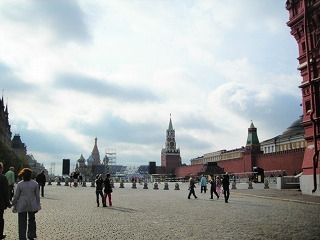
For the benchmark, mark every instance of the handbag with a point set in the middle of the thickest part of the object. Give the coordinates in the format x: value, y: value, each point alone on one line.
x: 14, y: 208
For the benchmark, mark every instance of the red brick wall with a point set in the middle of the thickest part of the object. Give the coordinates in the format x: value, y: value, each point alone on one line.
x: 290, y: 161
x: 184, y: 171
x: 235, y: 165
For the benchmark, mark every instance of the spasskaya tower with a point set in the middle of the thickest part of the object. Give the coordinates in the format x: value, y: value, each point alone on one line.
x: 170, y: 154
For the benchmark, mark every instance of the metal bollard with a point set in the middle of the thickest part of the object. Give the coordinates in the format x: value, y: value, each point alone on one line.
x: 166, y: 186
x: 266, y: 184
x: 121, y: 184
x: 134, y: 185
x: 233, y: 185
x: 176, y: 186
x: 155, y: 186
x: 49, y: 182
x: 145, y: 185
x: 92, y: 183
x: 84, y: 184
x: 250, y: 185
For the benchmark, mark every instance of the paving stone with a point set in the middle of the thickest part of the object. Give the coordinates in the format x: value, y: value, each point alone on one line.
x: 71, y: 213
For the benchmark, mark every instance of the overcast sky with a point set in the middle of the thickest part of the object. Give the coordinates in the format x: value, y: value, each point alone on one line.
x: 75, y: 70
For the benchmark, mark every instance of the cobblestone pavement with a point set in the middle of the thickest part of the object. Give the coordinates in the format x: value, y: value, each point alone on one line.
x: 71, y: 213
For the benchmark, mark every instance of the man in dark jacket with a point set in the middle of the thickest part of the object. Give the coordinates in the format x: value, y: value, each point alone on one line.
x: 225, y: 184
x: 4, y: 199
x: 41, y: 180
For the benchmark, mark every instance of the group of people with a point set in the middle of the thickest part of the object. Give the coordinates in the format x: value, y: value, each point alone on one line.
x: 215, y: 186
x: 25, y: 201
x: 75, y: 178
x: 100, y: 183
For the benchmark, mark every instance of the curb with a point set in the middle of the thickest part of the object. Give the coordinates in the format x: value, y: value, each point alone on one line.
x: 276, y: 198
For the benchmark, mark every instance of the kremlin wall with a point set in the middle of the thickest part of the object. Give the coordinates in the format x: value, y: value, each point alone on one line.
x: 283, y: 156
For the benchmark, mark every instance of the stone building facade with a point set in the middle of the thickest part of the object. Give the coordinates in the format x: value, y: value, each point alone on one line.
x: 18, y: 146
x: 5, y: 128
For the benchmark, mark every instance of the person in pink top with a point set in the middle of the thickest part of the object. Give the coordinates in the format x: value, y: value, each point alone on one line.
x: 218, y: 185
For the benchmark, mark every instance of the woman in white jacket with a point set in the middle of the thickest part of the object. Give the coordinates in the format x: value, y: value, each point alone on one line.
x: 26, y: 202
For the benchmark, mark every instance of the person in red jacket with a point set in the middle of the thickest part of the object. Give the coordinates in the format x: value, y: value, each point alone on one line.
x: 107, y: 190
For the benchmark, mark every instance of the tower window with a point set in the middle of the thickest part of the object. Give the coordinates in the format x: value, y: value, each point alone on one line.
x: 303, y: 45
x: 307, y: 106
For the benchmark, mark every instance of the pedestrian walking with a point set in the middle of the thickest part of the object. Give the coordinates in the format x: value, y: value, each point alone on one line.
x: 99, y: 188
x: 26, y: 202
x: 71, y: 179
x: 11, y: 181
x: 213, y: 187
x: 107, y: 190
x: 75, y: 178
x: 41, y: 180
x: 192, y: 186
x: 4, y: 199
x: 218, y: 185
x: 225, y: 184
x: 80, y: 178
x: 203, y: 183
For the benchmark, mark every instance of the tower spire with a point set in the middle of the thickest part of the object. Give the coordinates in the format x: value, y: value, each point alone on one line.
x: 170, y: 128
x: 95, y: 153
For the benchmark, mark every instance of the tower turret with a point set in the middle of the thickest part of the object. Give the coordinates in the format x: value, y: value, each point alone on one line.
x: 253, y: 143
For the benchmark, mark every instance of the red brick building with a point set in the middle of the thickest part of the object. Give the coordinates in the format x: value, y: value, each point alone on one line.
x: 304, y: 22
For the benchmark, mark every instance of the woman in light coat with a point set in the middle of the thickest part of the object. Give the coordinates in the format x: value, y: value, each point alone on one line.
x: 26, y: 202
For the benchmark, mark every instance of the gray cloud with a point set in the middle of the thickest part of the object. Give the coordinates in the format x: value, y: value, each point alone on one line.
x: 93, y: 86
x: 65, y: 19
x: 9, y: 82
x: 278, y: 114
x: 198, y: 121
x: 118, y: 130
x: 40, y: 141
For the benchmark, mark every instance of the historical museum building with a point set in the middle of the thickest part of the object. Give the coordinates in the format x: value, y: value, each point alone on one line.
x: 304, y: 22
